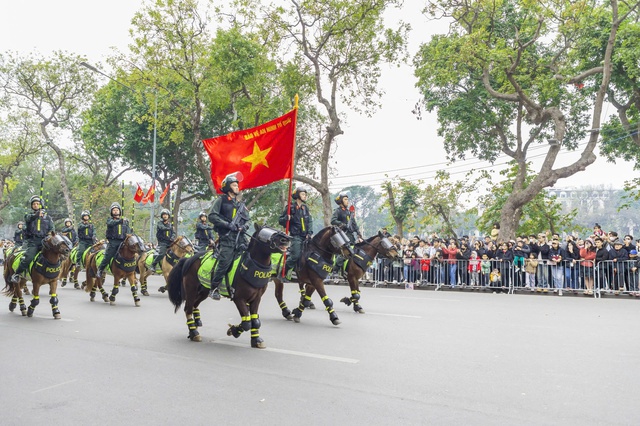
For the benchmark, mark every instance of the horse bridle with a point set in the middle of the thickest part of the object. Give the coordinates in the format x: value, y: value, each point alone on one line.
x: 265, y: 236
x: 385, y: 243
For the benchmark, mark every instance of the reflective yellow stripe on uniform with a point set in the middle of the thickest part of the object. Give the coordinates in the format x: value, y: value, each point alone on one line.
x: 119, y: 229
x: 234, y: 213
x: 302, y: 222
x: 38, y: 224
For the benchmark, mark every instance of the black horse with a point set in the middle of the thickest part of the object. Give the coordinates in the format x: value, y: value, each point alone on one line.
x: 249, y: 283
x: 313, y: 267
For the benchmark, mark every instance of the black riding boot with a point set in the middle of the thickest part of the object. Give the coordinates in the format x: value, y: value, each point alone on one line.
x: 214, y: 293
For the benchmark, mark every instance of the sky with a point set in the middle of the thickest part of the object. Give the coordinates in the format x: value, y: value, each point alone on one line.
x: 390, y: 143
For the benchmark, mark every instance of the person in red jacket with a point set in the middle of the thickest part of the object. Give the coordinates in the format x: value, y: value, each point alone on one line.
x: 450, y: 253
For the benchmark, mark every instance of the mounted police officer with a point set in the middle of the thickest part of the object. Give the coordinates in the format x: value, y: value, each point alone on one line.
x: 344, y: 219
x: 69, y: 232
x: 229, y: 217
x: 38, y: 225
x: 18, y: 237
x: 117, y: 230
x: 204, y: 232
x: 165, y: 236
x: 86, y: 234
x: 300, y: 226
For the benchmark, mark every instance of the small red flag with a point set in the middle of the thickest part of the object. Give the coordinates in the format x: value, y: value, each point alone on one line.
x: 139, y: 195
x: 263, y: 154
x: 150, y: 197
x: 164, y: 194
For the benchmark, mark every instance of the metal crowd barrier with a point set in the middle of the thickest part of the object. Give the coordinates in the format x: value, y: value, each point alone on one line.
x: 585, y: 277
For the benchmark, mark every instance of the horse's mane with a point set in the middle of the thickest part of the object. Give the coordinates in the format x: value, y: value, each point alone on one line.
x: 316, y: 238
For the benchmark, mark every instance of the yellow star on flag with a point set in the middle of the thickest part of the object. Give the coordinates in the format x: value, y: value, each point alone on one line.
x: 257, y: 157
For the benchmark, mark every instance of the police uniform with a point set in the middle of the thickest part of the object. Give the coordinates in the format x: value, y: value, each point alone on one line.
x: 18, y: 236
x: 222, y: 214
x: 204, y: 233
x: 69, y: 232
x: 343, y: 218
x: 86, y: 236
x: 165, y: 236
x: 36, y: 229
x: 117, y: 230
x: 300, y: 227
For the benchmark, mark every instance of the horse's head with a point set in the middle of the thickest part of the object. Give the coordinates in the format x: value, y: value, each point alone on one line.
x: 184, y: 244
x: 57, y: 243
x: 276, y: 241
x: 333, y: 240
x: 386, y: 247
x: 134, y: 243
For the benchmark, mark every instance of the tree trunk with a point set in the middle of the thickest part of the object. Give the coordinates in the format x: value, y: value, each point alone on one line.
x: 63, y: 170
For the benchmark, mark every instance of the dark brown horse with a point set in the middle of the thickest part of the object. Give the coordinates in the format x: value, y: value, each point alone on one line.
x: 178, y: 249
x: 44, y: 270
x: 249, y: 282
x: 363, y: 254
x: 315, y: 264
x: 123, y: 266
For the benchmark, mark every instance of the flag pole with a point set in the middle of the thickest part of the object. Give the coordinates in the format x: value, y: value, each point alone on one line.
x: 122, y: 199
x: 133, y: 214
x: 293, y: 166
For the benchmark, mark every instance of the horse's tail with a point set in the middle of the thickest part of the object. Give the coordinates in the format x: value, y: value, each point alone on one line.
x: 9, y: 287
x: 175, y: 283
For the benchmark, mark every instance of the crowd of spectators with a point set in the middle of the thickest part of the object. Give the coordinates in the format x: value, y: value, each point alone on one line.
x: 539, y: 262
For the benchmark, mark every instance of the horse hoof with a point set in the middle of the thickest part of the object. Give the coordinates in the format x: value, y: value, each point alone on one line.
x: 112, y: 302
x: 144, y: 292
x: 24, y: 313
x: 311, y: 306
x: 360, y: 311
x: 259, y: 344
x: 93, y: 299
x: 12, y: 307
x: 335, y: 321
x: 105, y: 298
x: 77, y: 286
x: 57, y: 316
x: 296, y: 320
x: 137, y: 303
x: 162, y: 289
x: 197, y: 338
x: 346, y: 301
x: 289, y: 317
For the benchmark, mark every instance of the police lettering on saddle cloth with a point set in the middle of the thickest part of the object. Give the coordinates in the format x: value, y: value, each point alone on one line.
x: 230, y: 219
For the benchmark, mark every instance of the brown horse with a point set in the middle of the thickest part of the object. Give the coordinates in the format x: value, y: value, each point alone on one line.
x: 364, y: 253
x: 68, y: 267
x: 7, y: 250
x: 178, y: 249
x: 123, y: 266
x: 314, y: 266
x: 44, y: 270
x: 185, y: 286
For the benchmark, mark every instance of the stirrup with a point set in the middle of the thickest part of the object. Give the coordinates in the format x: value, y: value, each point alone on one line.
x: 214, y: 294
x: 15, y: 278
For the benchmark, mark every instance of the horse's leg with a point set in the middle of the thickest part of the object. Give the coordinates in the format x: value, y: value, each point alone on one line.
x: 76, y: 272
x: 279, y: 293
x: 302, y: 293
x: 115, y: 289
x: 305, y: 301
x: 256, y: 340
x: 245, y: 317
x: 191, y: 287
x: 53, y: 288
x: 354, y: 285
x: 134, y: 290
x: 328, y: 303
x: 144, y: 273
x: 36, y: 299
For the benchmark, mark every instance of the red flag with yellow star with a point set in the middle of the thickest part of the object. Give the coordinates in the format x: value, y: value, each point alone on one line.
x: 263, y: 154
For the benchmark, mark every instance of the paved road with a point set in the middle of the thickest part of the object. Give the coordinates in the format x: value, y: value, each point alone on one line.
x: 415, y: 357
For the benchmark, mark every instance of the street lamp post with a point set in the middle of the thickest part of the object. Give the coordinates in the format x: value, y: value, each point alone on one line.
x: 155, y: 121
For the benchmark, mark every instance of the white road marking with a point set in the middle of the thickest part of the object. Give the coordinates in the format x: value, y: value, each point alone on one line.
x: 394, y: 315
x: 55, y: 386
x: 296, y: 353
x: 422, y: 298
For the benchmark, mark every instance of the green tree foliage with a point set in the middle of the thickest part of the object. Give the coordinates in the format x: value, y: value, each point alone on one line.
x: 402, y: 199
x: 541, y: 214
x: 503, y: 82
x: 339, y: 47
x: 53, y: 90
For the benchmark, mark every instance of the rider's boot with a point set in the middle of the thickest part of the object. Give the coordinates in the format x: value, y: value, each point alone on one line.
x: 15, y: 278
x: 214, y: 293
x: 99, y: 273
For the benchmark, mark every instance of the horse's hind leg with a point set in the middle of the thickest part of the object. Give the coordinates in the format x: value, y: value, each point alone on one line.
x: 279, y: 293
x: 76, y: 271
x: 114, y: 291
x: 328, y: 303
x: 191, y: 311
x: 134, y: 288
x: 302, y: 294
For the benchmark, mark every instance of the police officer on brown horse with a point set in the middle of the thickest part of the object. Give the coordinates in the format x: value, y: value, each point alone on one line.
x: 300, y: 227
x: 229, y: 217
x: 344, y: 219
x: 117, y: 230
x: 38, y: 225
